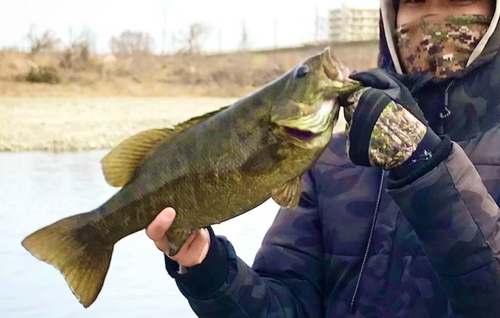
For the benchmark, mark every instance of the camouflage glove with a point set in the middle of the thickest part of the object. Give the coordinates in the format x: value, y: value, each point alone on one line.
x: 386, y: 127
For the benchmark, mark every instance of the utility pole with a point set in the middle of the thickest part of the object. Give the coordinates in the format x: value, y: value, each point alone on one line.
x: 220, y: 39
x: 244, y: 37
x: 174, y: 44
x: 164, y: 27
x: 316, y: 26
x: 275, y: 33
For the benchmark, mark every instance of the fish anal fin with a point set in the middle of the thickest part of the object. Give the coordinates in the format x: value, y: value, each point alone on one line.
x: 288, y: 195
x: 177, y: 238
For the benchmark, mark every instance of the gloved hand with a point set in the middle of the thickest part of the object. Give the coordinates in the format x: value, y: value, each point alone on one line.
x: 386, y: 127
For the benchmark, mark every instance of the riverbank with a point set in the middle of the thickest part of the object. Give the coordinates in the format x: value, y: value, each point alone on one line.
x: 78, y: 124
x: 145, y: 75
x: 97, y: 103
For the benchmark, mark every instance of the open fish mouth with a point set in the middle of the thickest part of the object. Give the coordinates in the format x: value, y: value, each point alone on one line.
x: 303, y: 135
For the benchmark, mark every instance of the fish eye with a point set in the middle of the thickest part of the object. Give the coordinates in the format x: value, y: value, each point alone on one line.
x: 302, y: 71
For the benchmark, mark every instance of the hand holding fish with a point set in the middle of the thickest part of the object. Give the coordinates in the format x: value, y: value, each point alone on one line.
x: 192, y: 253
x: 388, y: 129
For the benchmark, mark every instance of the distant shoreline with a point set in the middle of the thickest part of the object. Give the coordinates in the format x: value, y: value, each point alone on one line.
x: 51, y: 74
x: 94, y: 106
x: 81, y: 124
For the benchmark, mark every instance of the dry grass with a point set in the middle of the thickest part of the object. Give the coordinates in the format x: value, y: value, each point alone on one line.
x: 225, y: 75
x: 61, y: 117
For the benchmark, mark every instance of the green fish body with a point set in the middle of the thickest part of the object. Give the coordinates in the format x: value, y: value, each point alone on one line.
x: 210, y: 169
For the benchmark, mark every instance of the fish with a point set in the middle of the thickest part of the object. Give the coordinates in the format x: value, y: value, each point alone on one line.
x: 210, y: 168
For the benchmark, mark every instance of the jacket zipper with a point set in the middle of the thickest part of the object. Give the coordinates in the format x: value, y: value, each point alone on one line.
x: 368, y: 244
x: 445, y: 112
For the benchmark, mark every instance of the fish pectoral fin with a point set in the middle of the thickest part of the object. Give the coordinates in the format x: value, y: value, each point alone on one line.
x: 288, y: 195
x: 120, y: 163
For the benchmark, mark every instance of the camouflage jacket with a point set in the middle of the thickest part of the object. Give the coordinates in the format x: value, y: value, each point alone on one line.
x: 354, y: 248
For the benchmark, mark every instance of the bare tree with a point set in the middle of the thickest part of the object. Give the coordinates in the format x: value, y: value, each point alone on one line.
x: 244, y: 43
x: 193, y: 40
x: 130, y: 42
x: 78, y: 49
x: 42, y: 43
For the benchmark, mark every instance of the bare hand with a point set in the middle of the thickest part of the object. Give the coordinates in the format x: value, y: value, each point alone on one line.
x: 193, y: 252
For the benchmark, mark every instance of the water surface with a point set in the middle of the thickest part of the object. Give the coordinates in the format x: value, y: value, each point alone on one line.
x: 37, y: 189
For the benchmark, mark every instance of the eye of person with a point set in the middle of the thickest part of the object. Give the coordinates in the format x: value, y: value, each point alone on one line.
x: 412, y: 1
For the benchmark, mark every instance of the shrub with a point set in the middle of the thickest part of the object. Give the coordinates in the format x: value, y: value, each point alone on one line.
x: 43, y: 75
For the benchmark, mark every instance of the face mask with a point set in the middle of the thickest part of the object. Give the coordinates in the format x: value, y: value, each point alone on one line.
x: 439, y: 45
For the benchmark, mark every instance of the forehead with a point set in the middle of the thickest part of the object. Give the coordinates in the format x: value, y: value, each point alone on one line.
x: 408, y: 10
x: 492, y: 3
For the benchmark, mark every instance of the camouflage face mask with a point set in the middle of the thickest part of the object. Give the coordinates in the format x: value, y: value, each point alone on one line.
x: 439, y: 45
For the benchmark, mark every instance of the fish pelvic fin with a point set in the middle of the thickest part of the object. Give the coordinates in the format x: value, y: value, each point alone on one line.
x: 288, y: 195
x: 70, y: 246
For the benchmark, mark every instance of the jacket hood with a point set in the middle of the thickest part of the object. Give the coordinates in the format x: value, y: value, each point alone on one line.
x: 485, y: 51
x: 464, y: 106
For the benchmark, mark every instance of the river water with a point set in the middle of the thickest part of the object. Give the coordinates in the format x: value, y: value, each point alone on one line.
x: 37, y: 189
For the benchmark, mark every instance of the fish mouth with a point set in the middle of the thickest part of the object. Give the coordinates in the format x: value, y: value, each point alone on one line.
x: 337, y: 73
x: 332, y: 67
x: 302, y: 135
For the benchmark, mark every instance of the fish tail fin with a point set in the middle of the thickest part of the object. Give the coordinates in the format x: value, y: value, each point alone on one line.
x: 71, y: 246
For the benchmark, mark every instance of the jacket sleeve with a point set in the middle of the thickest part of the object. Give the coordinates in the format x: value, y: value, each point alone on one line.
x: 285, y: 280
x: 458, y: 224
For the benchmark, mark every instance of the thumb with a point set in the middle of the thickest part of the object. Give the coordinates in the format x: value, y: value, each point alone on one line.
x: 160, y: 225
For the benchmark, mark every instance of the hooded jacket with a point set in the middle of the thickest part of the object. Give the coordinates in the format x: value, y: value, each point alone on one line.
x: 354, y: 248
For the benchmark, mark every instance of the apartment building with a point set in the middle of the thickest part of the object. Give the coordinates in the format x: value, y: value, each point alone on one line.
x: 349, y: 24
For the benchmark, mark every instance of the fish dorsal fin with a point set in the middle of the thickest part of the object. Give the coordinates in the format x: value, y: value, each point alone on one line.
x: 288, y: 195
x: 120, y: 163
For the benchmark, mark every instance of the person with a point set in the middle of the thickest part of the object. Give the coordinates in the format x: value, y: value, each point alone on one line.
x: 400, y: 216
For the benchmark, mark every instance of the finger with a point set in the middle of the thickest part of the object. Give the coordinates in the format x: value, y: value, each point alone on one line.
x: 200, y: 243
x: 158, y: 228
x: 194, y: 253
x: 373, y: 78
x: 183, y: 252
x: 189, y: 241
x: 162, y: 244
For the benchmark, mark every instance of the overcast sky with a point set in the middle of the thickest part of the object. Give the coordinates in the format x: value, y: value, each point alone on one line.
x: 267, y: 21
